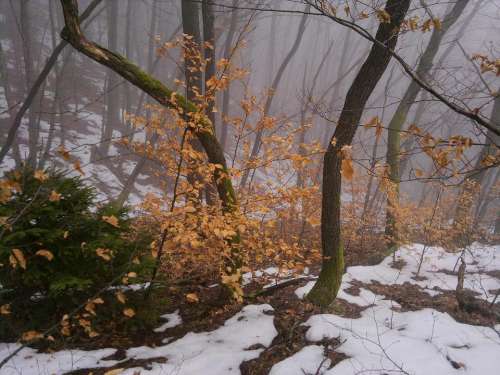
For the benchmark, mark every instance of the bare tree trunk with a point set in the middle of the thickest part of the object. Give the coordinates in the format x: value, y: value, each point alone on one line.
x: 486, y: 198
x: 394, y: 132
x: 373, y: 161
x: 476, y: 176
x: 191, y: 18
x: 226, y: 94
x: 210, y: 71
x: 49, y: 64
x: 55, y: 102
x: 336, y: 89
x: 408, y: 144
x: 129, y: 183
x: 274, y: 86
x: 307, y: 93
x: 326, y: 288
x: 4, y: 79
x: 127, y: 90
x: 112, y: 118
x: 34, y: 112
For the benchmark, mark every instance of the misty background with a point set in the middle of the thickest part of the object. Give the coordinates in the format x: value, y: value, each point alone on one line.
x: 81, y: 105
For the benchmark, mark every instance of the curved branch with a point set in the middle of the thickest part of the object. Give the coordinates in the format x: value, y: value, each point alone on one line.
x: 495, y: 128
x: 203, y: 128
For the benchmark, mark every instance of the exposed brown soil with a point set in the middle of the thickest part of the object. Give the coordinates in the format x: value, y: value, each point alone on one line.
x: 412, y: 297
x: 290, y: 314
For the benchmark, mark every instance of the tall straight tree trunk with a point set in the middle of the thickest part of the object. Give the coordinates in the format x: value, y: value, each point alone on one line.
x: 394, y: 132
x: 191, y: 18
x: 476, y: 177
x: 227, y: 92
x: 373, y: 161
x: 274, y: 86
x: 34, y: 112
x: 33, y: 90
x: 55, y: 102
x: 486, y: 197
x: 336, y: 89
x: 210, y: 71
x: 307, y: 93
x: 5, y: 82
x: 326, y: 288
x: 112, y: 119
x: 209, y: 53
x: 127, y: 90
x: 411, y: 142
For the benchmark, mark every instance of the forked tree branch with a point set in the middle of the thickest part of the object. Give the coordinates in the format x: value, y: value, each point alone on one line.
x: 495, y: 128
x: 201, y: 125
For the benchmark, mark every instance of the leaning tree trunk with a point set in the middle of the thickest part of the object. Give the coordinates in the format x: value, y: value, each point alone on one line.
x: 203, y: 128
x: 326, y: 288
x: 399, y: 117
x: 274, y: 86
x: 49, y: 64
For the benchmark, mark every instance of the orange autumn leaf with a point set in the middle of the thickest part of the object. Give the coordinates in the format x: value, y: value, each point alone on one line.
x: 105, y: 254
x: 129, y: 312
x: 54, y: 196
x: 383, y: 16
x: 78, y: 167
x: 111, y: 220
x: 45, y: 253
x: 5, y: 309
x: 116, y: 371
x: 192, y: 298
x: 120, y: 296
x: 31, y: 336
x: 17, y: 257
x: 63, y: 152
x: 41, y: 175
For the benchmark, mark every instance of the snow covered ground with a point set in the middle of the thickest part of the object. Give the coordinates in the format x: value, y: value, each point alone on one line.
x: 382, y: 340
x: 242, y: 337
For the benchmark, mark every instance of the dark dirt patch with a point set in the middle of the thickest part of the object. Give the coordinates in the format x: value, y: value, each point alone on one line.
x: 495, y: 274
x: 353, y: 290
x: 398, y: 264
x: 289, y: 315
x: 144, y: 363
x: 412, y: 297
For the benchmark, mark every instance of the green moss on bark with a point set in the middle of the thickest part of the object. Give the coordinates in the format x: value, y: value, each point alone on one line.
x: 326, y: 288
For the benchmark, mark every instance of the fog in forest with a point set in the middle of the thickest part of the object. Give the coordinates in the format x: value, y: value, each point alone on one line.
x: 226, y: 150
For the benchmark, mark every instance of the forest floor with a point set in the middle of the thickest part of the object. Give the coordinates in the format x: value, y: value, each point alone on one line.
x: 389, y: 318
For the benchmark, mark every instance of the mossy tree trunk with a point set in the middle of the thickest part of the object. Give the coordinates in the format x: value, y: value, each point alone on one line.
x: 326, y: 288
x: 157, y: 90
x: 201, y: 126
x: 394, y: 133
x: 191, y: 17
x: 208, y: 16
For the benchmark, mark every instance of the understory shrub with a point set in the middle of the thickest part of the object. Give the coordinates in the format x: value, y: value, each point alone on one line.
x: 58, y: 249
